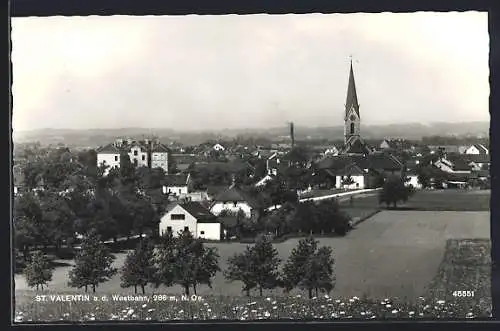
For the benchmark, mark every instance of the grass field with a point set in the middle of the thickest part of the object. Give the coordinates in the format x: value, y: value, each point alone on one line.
x: 400, y: 254
x: 436, y: 200
x: 465, y: 266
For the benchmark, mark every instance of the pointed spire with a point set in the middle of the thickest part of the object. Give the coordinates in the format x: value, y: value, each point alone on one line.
x: 352, y: 96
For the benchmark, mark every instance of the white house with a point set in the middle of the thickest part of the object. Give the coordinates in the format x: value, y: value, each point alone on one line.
x: 358, y: 176
x: 331, y: 151
x: 477, y: 149
x: 233, y: 200
x: 456, y: 165
x: 192, y: 217
x: 219, y: 148
x: 160, y: 157
x: 138, y: 154
x: 176, y: 185
x: 109, y: 155
x: 264, y: 180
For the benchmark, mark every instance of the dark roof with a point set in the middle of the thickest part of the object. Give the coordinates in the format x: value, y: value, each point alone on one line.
x: 481, y: 149
x: 356, y: 145
x: 477, y: 158
x: 229, y: 221
x: 160, y: 148
x: 176, y: 180
x: 482, y: 173
x: 184, y: 158
x: 231, y: 166
x: 352, y: 96
x: 198, y: 211
x: 372, y: 161
x: 351, y: 169
x: 214, y: 190
x: 235, y: 193
x: 458, y: 161
x: 108, y: 149
x: 457, y: 177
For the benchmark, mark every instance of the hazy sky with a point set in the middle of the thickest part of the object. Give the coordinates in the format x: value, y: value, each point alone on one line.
x: 231, y: 71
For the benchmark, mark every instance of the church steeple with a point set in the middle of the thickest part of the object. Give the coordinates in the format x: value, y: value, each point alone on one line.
x: 352, y: 119
x: 352, y: 97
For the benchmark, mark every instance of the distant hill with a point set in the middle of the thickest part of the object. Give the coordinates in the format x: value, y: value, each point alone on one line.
x: 96, y: 137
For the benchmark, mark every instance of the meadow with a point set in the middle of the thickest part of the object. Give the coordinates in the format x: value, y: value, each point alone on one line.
x: 434, y: 304
x: 415, y: 258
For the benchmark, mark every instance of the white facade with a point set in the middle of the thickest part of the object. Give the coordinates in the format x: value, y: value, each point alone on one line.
x: 108, y: 159
x: 176, y: 190
x: 210, y: 231
x: 447, y: 166
x: 177, y: 219
x: 218, y: 147
x: 231, y: 206
x: 263, y: 181
x: 474, y: 150
x: 197, y: 196
x: 159, y: 160
x: 414, y: 181
x: 359, y: 182
x: 138, y: 157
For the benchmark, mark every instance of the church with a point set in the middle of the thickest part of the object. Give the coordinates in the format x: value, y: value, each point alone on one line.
x: 357, y: 165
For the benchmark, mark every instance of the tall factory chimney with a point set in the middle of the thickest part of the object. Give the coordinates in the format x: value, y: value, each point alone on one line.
x: 292, y: 136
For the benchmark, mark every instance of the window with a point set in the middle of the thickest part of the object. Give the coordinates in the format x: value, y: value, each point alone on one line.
x: 177, y: 217
x: 144, y: 157
x: 180, y: 191
x: 235, y: 203
x: 135, y: 162
x: 186, y: 228
x: 202, y: 232
x: 352, y: 128
x: 135, y: 153
x: 169, y: 229
x: 116, y: 157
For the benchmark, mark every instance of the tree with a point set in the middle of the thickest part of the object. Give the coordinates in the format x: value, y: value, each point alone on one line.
x: 241, y: 268
x: 93, y: 264
x: 393, y: 191
x: 266, y: 262
x: 164, y: 261
x: 139, y: 269
x: 194, y: 264
x: 309, y: 268
x: 38, y: 270
x: 347, y: 181
x: 319, y: 272
x: 58, y: 218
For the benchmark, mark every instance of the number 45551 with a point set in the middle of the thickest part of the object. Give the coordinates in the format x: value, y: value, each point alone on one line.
x: 463, y: 294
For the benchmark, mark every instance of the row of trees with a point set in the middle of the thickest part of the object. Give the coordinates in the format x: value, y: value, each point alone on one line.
x: 185, y: 261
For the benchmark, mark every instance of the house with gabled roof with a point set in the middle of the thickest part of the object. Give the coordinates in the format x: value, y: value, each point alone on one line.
x: 176, y: 185
x: 109, y: 155
x: 192, y: 217
x: 234, y: 199
x: 477, y: 149
x: 160, y: 155
x: 365, y: 170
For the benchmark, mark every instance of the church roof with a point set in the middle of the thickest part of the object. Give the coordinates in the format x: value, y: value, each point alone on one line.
x: 356, y: 145
x: 352, y: 96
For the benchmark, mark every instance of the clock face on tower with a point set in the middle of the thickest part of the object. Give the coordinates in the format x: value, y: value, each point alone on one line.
x: 353, y: 118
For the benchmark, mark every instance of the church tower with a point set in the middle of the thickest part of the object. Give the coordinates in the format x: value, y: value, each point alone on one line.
x: 352, y: 120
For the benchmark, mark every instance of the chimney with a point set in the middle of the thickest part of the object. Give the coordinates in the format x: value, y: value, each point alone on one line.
x: 292, y: 136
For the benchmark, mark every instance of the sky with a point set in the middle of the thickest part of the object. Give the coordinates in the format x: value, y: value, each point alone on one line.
x: 252, y: 71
